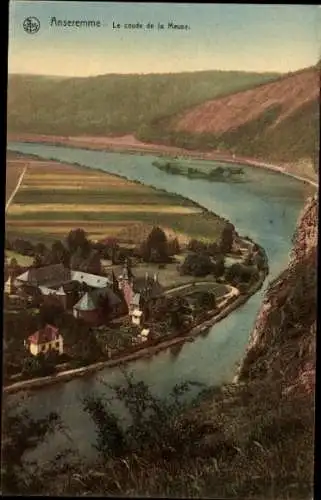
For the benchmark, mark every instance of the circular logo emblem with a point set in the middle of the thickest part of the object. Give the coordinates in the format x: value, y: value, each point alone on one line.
x: 31, y: 25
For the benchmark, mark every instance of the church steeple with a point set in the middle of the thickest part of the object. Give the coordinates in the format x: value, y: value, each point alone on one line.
x: 127, y: 271
x: 115, y: 282
x: 125, y: 274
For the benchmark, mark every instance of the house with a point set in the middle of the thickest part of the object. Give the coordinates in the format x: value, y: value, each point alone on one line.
x: 87, y: 309
x: 136, y: 317
x: 56, y: 275
x: 97, y: 305
x: 44, y: 340
x: 10, y: 286
x: 60, y: 294
x: 50, y: 276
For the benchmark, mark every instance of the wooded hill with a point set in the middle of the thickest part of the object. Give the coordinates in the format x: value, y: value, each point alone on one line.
x: 277, y: 121
x: 270, y: 116
x: 114, y: 104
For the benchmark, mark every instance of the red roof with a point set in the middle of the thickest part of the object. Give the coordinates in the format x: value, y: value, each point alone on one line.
x: 47, y: 334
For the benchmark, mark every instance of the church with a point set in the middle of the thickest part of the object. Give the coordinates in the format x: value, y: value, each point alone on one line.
x: 138, y: 291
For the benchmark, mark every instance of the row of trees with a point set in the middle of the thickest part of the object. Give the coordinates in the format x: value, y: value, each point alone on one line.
x: 78, y: 252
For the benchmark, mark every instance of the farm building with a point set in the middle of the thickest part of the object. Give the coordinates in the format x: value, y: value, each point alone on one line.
x: 56, y: 280
x: 54, y: 276
x: 45, y: 340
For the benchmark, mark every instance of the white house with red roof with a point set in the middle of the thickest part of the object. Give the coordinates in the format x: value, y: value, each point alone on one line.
x: 46, y: 339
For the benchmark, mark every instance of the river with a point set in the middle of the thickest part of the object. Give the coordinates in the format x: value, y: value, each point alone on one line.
x: 265, y: 207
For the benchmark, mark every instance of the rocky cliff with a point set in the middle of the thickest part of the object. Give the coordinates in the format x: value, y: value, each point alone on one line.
x: 282, y: 344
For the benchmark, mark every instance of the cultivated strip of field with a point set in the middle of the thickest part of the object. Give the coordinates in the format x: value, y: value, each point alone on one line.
x: 55, y: 198
x: 44, y: 207
x: 100, y: 195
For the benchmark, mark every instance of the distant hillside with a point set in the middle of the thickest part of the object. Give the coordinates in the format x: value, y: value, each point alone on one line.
x: 114, y: 104
x: 277, y: 121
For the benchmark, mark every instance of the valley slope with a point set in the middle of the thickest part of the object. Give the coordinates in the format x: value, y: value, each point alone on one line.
x: 266, y: 117
x: 277, y: 121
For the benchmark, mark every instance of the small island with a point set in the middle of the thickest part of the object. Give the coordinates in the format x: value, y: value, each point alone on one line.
x: 217, y: 174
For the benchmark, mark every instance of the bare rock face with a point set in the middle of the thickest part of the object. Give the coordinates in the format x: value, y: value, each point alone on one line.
x: 221, y: 114
x: 282, y: 344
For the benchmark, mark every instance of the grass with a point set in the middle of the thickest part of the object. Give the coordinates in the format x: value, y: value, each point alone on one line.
x: 23, y: 260
x: 78, y: 197
x: 243, y: 442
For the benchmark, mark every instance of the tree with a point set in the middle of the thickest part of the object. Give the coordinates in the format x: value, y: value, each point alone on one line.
x: 227, y: 238
x: 37, y: 261
x: 50, y: 310
x: 40, y: 365
x: 197, y: 265
x: 76, y: 260
x: 59, y: 254
x: 21, y: 434
x: 173, y: 247
x: 206, y: 300
x: 213, y: 249
x: 92, y: 264
x: 77, y: 239
x: 239, y: 273
x: 178, y: 309
x: 41, y: 249
x: 259, y: 262
x: 23, y: 246
x: 196, y: 246
x: 219, y: 267
x: 156, y: 246
x: 157, y: 427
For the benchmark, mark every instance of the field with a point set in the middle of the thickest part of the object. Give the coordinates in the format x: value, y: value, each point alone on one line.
x: 55, y: 198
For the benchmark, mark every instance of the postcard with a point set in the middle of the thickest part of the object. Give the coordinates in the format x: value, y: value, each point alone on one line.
x: 160, y: 265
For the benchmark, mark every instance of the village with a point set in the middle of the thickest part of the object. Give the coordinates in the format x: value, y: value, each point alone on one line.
x: 81, y: 301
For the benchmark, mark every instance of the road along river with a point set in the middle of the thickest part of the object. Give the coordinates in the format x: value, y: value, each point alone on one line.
x: 265, y: 207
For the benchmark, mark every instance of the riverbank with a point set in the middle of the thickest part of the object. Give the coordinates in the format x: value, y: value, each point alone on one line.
x: 130, y: 144
x: 232, y: 302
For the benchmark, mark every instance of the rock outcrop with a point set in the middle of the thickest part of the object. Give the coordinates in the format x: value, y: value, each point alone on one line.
x: 282, y: 344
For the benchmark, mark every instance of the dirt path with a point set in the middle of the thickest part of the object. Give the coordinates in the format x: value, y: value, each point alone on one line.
x: 14, y: 192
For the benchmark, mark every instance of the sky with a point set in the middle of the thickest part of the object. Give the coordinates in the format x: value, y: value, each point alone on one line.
x: 260, y: 38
